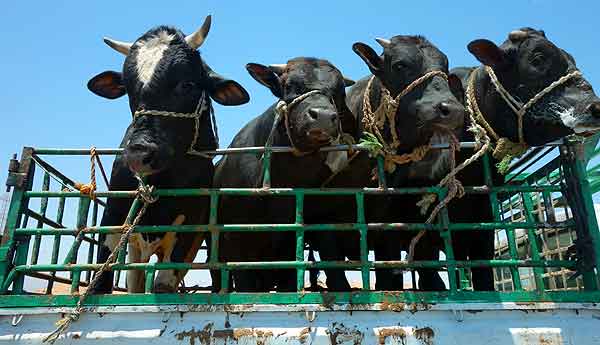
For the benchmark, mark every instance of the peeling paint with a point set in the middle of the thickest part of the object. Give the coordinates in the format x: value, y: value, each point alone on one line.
x: 396, y: 333
x: 203, y: 336
x: 304, y: 335
x: 340, y: 334
x: 425, y: 335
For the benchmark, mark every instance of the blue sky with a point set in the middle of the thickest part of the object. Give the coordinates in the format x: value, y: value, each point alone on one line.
x: 52, y: 48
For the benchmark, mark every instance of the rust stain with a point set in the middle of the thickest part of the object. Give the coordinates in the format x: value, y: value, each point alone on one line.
x: 425, y: 335
x: 328, y: 300
x: 203, y: 336
x: 261, y: 336
x: 396, y: 307
x: 223, y: 334
x: 304, y: 334
x: 396, y: 333
x: 76, y: 336
x: 340, y: 334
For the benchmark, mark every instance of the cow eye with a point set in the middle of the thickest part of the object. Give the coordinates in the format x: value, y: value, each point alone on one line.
x: 538, y: 60
x: 399, y: 66
x: 187, y: 85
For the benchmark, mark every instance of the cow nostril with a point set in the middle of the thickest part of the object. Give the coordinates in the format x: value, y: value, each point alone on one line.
x: 444, y: 109
x: 313, y: 113
x: 594, y: 109
x: 148, y: 157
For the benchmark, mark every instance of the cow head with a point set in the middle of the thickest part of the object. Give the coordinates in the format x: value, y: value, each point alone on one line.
x: 525, y: 64
x: 431, y: 104
x: 432, y: 111
x: 163, y: 71
x: 313, y: 120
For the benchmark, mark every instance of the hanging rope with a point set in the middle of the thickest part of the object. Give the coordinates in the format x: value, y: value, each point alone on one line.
x: 144, y: 193
x: 454, y: 186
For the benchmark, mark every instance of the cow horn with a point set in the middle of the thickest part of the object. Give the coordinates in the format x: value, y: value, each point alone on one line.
x: 278, y: 68
x: 348, y: 82
x: 383, y: 42
x: 121, y: 47
x: 196, y: 39
x: 517, y: 35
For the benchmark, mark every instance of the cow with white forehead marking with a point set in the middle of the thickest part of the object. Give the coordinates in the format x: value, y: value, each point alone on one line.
x: 531, y: 69
x: 170, y: 88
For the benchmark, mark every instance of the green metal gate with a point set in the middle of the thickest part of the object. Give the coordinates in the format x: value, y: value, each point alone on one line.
x: 524, y: 208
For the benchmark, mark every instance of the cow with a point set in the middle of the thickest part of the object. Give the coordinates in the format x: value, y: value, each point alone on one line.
x: 170, y: 88
x: 526, y: 64
x: 430, y: 113
x: 308, y: 115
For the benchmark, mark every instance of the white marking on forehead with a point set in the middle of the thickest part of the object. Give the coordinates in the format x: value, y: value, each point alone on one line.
x: 149, y: 54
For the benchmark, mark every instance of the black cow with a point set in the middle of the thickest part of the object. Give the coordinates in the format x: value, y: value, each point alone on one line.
x: 430, y: 113
x: 163, y: 71
x: 312, y: 91
x: 525, y: 64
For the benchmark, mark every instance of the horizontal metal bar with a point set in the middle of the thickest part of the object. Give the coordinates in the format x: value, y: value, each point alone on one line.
x: 294, y: 264
x: 252, y: 149
x: 293, y: 191
x: 295, y: 227
x: 235, y: 150
x: 349, y: 301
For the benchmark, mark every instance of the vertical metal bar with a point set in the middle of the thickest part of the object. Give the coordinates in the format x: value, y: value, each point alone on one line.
x: 266, y: 183
x: 364, y: 248
x: 149, y: 280
x: 76, y: 277
x: 381, y: 172
x: 224, y: 280
x: 576, y: 157
x: 510, y: 233
x: 214, y: 233
x: 535, y: 250
x: 133, y: 210
x: 299, y: 240
x: 446, y: 234
x: 90, y: 258
x: 37, y: 239
x: 81, y: 223
x: 56, y: 245
x: 18, y: 204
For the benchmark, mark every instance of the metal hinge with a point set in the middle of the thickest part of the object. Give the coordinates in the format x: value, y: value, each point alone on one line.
x: 15, y: 177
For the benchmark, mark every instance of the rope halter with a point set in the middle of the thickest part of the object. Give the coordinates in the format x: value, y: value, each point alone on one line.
x: 374, y: 121
x: 506, y: 149
x: 195, y: 116
x: 282, y: 110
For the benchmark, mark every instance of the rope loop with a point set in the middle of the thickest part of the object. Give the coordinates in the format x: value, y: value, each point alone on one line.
x: 89, y: 189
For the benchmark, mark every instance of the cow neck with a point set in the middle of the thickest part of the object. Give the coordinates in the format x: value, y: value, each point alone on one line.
x: 203, y: 109
x: 505, y: 149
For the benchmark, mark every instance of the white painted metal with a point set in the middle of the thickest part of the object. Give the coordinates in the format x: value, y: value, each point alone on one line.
x: 482, y: 323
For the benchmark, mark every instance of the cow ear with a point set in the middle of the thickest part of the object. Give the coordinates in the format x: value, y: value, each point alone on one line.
x: 369, y: 56
x: 107, y: 84
x: 456, y: 87
x: 267, y: 77
x: 487, y: 52
x: 226, y: 91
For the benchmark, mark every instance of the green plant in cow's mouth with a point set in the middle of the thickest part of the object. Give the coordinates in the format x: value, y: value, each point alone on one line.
x: 371, y: 143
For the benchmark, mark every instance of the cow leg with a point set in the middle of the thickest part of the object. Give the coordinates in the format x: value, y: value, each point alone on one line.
x: 135, y: 278
x: 388, y: 249
x: 330, y: 249
x: 483, y: 277
x: 429, y: 278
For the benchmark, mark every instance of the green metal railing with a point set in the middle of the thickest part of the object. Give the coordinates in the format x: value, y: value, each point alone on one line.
x: 21, y: 243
